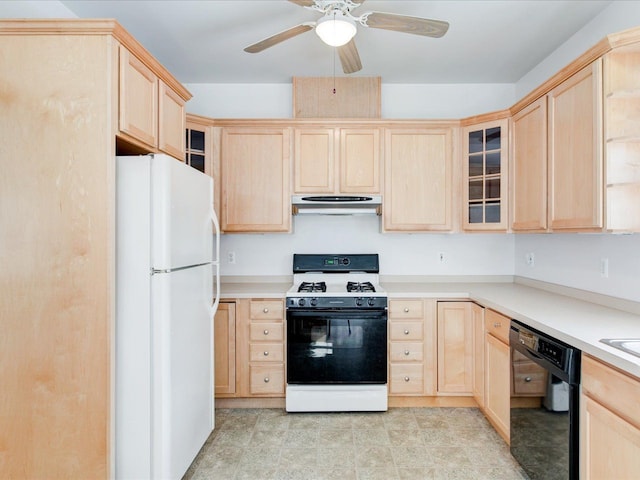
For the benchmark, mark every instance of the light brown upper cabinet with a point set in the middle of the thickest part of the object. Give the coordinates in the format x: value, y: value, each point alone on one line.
x: 622, y: 136
x: 337, y: 160
x: 151, y: 114
x: 418, y: 190
x: 255, y: 192
x: 486, y: 155
x: 529, y: 168
x: 575, y: 152
x: 200, y: 140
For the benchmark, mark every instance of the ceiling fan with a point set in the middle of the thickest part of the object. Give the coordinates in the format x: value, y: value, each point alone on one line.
x: 337, y: 28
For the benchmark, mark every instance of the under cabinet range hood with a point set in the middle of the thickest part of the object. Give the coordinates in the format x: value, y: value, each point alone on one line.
x: 336, y: 204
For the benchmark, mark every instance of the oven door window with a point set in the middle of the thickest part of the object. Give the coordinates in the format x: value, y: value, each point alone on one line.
x: 336, y: 347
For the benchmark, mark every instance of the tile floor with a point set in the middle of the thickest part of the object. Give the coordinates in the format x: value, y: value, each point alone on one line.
x: 403, y: 443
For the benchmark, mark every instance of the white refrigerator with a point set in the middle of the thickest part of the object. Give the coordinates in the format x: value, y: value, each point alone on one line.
x: 167, y: 292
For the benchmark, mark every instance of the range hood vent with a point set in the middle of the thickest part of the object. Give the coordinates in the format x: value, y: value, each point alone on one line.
x: 336, y: 204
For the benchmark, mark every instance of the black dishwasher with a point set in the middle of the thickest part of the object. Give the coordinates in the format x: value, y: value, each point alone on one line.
x: 544, y: 438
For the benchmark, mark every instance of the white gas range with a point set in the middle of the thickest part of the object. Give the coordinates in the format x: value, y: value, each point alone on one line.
x: 336, y: 335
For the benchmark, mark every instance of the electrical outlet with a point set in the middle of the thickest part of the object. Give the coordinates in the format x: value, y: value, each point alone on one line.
x: 604, y: 267
x: 231, y: 257
x: 441, y: 257
x: 530, y: 258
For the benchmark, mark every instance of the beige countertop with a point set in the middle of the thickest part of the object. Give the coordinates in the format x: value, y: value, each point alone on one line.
x: 580, y: 322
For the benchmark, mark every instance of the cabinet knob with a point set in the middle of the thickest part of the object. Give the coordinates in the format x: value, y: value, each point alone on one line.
x: 265, y: 310
x: 406, y: 352
x: 527, y: 379
x: 266, y: 379
x: 266, y: 354
x: 406, y: 379
x: 406, y: 309
x: 266, y: 332
x: 497, y: 325
x: 406, y: 332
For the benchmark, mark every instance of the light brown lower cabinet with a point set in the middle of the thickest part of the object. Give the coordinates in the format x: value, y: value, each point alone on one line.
x: 455, y: 348
x: 609, y: 423
x: 497, y: 387
x: 249, y: 339
x: 477, y: 315
x: 224, y: 337
x: 411, y: 347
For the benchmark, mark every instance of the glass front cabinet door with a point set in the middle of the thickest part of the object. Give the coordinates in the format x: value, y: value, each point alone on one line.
x: 485, y: 189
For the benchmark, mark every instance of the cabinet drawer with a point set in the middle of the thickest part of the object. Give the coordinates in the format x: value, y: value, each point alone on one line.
x: 406, y: 309
x: 267, y: 310
x: 406, y: 331
x: 406, y: 352
x: 617, y: 391
x: 266, y: 379
x: 406, y: 379
x: 497, y: 325
x: 529, y: 379
x: 266, y: 331
x: 266, y: 352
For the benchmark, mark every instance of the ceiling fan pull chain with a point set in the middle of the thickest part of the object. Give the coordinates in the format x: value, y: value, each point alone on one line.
x: 334, y: 70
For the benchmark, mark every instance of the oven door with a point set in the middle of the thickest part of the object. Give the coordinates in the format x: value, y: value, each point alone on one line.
x: 336, y: 347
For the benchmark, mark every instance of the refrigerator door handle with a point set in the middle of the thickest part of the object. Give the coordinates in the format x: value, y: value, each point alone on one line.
x: 216, y: 262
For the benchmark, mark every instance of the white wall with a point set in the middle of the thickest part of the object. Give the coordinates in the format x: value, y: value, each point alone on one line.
x: 618, y: 16
x: 34, y: 9
x: 408, y: 254
x: 398, y: 101
x: 575, y: 260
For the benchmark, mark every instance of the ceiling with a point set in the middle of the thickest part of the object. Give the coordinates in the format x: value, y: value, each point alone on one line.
x: 487, y: 42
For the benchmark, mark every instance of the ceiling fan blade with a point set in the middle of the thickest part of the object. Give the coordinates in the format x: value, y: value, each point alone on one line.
x: 303, y: 3
x: 406, y: 24
x: 349, y: 58
x: 279, y: 37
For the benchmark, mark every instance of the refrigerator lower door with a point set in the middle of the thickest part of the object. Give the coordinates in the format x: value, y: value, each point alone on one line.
x: 182, y: 368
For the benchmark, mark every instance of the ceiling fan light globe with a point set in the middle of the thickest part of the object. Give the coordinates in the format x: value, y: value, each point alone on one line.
x: 336, y: 29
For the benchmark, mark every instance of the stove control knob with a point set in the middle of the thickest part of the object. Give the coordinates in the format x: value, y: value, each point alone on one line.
x: 359, y: 302
x: 345, y: 261
x: 371, y: 301
x: 301, y: 302
x: 314, y: 302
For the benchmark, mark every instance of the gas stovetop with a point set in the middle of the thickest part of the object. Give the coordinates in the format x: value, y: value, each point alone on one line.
x: 336, y: 281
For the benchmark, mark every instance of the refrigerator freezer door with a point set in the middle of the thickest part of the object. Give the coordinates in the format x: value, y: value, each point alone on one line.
x: 182, y: 376
x: 182, y: 212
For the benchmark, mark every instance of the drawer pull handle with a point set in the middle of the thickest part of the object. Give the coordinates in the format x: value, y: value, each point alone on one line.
x: 527, y: 379
x: 407, y: 352
x: 497, y: 325
x: 406, y: 379
x: 266, y: 354
x: 265, y: 310
x: 406, y: 332
x: 266, y: 379
x: 406, y: 309
x: 266, y: 332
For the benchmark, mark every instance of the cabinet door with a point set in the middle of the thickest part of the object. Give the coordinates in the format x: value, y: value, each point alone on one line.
x: 418, y: 185
x: 171, y: 114
x: 138, y: 100
x: 199, y: 154
x: 359, y: 160
x: 575, y: 152
x: 455, y: 348
x: 609, y: 445
x: 477, y: 315
x: 255, y: 180
x: 529, y: 168
x: 485, y: 172
x: 314, y: 160
x: 224, y: 334
x: 497, y: 384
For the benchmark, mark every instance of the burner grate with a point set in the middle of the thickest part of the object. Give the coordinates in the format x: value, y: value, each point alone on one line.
x: 360, y: 287
x: 312, y: 287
